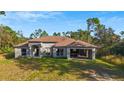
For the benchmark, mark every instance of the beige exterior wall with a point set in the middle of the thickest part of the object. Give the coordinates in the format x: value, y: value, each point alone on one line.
x: 47, y: 44
x: 93, y: 53
x: 46, y: 47
x: 17, y: 52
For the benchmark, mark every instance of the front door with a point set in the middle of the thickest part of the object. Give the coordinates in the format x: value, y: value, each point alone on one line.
x: 37, y: 52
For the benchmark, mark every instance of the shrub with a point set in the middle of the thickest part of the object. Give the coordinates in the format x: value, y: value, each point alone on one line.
x: 115, y: 59
x: 6, y: 50
x: 9, y: 55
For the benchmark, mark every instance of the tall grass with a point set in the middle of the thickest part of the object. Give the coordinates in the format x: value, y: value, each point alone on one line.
x: 115, y: 59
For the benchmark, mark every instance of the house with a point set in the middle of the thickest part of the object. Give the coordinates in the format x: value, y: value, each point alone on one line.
x: 56, y: 46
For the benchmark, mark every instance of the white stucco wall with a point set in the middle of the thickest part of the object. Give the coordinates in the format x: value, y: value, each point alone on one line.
x: 93, y: 53
x: 30, y: 44
x: 17, y: 52
x: 47, y: 44
x: 54, y: 52
x: 68, y: 53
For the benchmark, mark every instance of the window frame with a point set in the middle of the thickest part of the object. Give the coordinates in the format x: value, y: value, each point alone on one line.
x: 23, y: 52
x: 60, y: 52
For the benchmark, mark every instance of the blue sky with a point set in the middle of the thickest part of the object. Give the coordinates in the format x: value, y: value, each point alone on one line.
x: 60, y: 21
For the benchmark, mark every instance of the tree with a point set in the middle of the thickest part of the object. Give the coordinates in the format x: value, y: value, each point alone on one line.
x: 44, y: 33
x: 122, y: 34
x: 19, y: 33
x: 9, y: 37
x: 38, y: 33
x: 92, y: 23
x: 105, y: 36
x: 80, y: 35
x: 56, y: 34
x: 67, y: 34
x: 2, y: 13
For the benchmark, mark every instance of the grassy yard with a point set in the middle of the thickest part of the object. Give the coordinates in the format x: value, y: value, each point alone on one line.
x: 57, y: 69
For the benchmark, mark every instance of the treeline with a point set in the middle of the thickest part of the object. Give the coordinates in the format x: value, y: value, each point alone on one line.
x: 96, y: 33
x: 9, y: 38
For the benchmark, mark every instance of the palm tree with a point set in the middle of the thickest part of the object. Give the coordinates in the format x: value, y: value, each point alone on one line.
x: 92, y: 23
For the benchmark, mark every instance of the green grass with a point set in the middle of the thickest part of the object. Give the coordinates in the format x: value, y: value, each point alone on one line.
x: 56, y: 69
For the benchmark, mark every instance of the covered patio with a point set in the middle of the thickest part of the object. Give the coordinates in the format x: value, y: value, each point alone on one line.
x: 81, y: 53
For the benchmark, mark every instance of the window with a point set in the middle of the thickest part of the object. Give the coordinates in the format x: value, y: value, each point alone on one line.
x: 59, y: 52
x: 23, y: 51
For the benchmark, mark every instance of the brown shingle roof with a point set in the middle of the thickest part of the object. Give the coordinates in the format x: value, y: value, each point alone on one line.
x: 80, y: 43
x: 49, y: 39
x: 74, y: 43
x: 60, y: 41
x: 64, y: 43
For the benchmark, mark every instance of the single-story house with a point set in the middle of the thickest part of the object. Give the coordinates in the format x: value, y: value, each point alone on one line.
x: 56, y: 46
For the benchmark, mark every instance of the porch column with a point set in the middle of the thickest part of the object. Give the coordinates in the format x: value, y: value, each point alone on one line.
x: 30, y: 52
x: 93, y: 53
x: 40, y: 51
x: 87, y: 53
x: 54, y: 52
x: 68, y: 53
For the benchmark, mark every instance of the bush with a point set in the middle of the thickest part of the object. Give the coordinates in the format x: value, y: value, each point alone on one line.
x: 9, y: 55
x: 6, y: 50
x: 115, y: 59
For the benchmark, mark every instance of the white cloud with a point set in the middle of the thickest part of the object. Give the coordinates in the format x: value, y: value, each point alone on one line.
x: 36, y: 15
x: 29, y: 16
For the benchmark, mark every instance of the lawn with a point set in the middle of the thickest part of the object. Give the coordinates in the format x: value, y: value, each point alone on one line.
x: 57, y: 69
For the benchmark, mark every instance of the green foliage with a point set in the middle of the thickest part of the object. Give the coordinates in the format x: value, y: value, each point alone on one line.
x: 81, y: 35
x: 118, y: 48
x: 67, y: 34
x: 6, y: 49
x: 56, y: 34
x: 9, y: 38
x: 122, y: 34
x: 38, y: 33
x: 105, y: 36
x: 102, y: 36
x: 92, y: 23
x: 10, y: 55
x: 44, y: 33
x: 2, y: 13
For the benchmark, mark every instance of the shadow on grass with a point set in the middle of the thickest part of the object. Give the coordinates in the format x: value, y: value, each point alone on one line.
x: 9, y: 55
x: 64, y: 66
x: 28, y: 64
